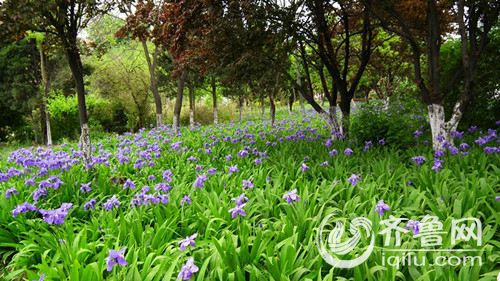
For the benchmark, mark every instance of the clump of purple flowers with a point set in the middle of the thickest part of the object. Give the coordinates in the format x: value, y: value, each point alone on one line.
x: 419, y: 160
x: 23, y: 208
x: 348, y: 151
x: 437, y: 164
x: 56, y: 216
x: 110, y: 203
x: 199, y: 181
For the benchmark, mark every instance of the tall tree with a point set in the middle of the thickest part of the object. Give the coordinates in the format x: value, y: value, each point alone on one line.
x: 138, y: 26
x: 474, y: 19
x: 63, y: 19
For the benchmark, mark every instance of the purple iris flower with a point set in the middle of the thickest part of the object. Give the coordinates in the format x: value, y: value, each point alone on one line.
x: 437, y: 165
x: 247, y: 184
x: 414, y: 226
x: 89, y: 205
x: 192, y: 158
x: 199, y: 181
x: 304, y: 167
x: 85, y: 187
x: 23, y: 208
x: 212, y: 171
x: 291, y: 197
x: 348, y: 151
x: 186, y: 199
x: 381, y: 206
x: 188, y: 241
x: 129, y: 184
x: 233, y: 169
x: 228, y: 157
x: 237, y: 210
x: 353, y: 179
x: 10, y: 191
x: 110, y: 203
x: 381, y: 141
x: 333, y: 152
x: 419, y: 160
x: 438, y: 153
x: 325, y: 163
x: 240, y: 199
x: 188, y: 269
x: 258, y: 161
x: 115, y: 257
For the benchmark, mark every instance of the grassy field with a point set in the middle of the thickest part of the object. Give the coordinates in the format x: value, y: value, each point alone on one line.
x: 244, y: 201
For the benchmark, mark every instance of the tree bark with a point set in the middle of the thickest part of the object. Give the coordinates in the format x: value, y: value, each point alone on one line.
x: 240, y: 105
x: 299, y: 82
x: 263, y: 107
x: 153, y: 86
x: 214, y: 97
x: 43, y: 122
x: 45, y: 84
x: 178, y: 101
x: 191, y: 104
x: 35, y: 129
x: 272, y: 109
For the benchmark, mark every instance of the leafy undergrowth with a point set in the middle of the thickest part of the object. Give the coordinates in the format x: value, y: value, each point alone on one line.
x: 146, y: 192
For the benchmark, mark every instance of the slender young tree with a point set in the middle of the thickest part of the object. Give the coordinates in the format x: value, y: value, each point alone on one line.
x: 65, y: 19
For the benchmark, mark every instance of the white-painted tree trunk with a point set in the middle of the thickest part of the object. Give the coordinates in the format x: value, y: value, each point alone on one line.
x: 439, y: 129
x: 159, y: 119
x: 176, y: 123
x: 331, y: 122
x: 86, y: 145
x: 385, y: 102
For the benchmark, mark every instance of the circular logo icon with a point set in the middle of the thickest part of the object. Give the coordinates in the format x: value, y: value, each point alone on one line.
x: 337, y: 246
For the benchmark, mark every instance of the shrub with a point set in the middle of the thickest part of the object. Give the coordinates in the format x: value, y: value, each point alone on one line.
x: 396, y: 124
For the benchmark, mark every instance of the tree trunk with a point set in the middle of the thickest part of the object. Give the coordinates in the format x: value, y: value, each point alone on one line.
x: 153, y: 86
x: 43, y: 122
x: 191, y: 104
x: 75, y: 65
x: 345, y: 108
x: 45, y: 84
x: 299, y: 82
x: 249, y: 110
x: 178, y: 101
x: 291, y: 100
x: 240, y: 105
x: 214, y: 97
x: 35, y: 129
x: 263, y: 107
x: 272, y: 109
x: 438, y: 129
